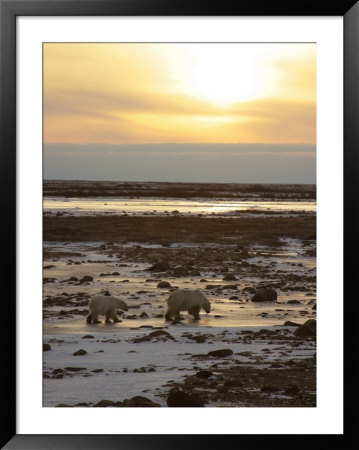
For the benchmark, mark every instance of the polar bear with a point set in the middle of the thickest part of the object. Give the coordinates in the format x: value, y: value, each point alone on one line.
x: 104, y: 304
x: 186, y: 300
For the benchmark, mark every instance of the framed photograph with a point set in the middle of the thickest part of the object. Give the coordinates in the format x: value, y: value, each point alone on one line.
x: 173, y: 183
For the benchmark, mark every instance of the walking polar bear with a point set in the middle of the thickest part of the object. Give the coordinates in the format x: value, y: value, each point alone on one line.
x: 186, y: 300
x: 104, y: 304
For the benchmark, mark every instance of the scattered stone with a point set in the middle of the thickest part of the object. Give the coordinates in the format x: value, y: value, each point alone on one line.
x: 63, y: 405
x: 75, y: 369
x: 182, y: 399
x: 86, y: 279
x: 314, y: 307
x: 221, y: 353
x: 88, y: 336
x: 141, y: 402
x: 46, y: 347
x: 204, y: 374
x: 73, y: 279
x: 265, y: 295
x: 293, y: 302
x: 308, y: 329
x: 292, y: 389
x: 144, y: 315
x: 80, y: 352
x: 233, y: 297
x: 159, y: 267
x: 288, y: 323
x: 268, y: 388
x: 105, y: 404
x: 229, y: 277
x: 164, y: 284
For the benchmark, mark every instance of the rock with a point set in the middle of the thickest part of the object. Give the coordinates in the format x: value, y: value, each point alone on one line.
x: 265, y: 295
x: 199, y: 339
x: 159, y: 267
x: 144, y: 315
x: 229, y: 277
x: 75, y: 369
x: 230, y: 286
x: 204, y: 374
x: 293, y: 302
x: 292, y: 389
x: 314, y: 307
x: 80, y: 352
x: 182, y: 399
x: 308, y: 329
x: 268, y: 388
x: 88, y: 336
x: 164, y: 284
x: 131, y: 317
x: 105, y: 404
x: 233, y: 297
x: 86, y: 279
x: 141, y: 402
x: 46, y: 347
x: 235, y: 382
x: 63, y: 405
x: 288, y: 323
x: 73, y: 279
x: 158, y: 333
x: 221, y: 353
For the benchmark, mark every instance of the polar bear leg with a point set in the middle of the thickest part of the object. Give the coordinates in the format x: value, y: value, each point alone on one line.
x: 177, y: 315
x: 194, y: 311
x: 95, y: 318
x: 108, y: 316
x: 89, y: 318
x: 114, y: 317
x: 169, y: 314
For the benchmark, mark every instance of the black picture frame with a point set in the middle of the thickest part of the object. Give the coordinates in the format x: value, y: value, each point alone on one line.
x: 9, y: 10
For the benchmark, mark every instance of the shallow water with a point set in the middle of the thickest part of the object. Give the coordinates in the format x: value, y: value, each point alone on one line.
x: 161, y: 205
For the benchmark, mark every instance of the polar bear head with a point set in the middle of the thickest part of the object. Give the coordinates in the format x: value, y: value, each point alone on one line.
x: 121, y: 304
x: 206, y: 305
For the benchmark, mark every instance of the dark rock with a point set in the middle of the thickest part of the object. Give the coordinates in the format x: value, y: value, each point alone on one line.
x: 288, y: 323
x: 229, y: 277
x: 75, y: 369
x: 159, y: 267
x: 141, y: 402
x: 221, y: 353
x: 73, y: 279
x: 268, y: 388
x: 144, y: 315
x: 308, y: 329
x: 204, y: 374
x: 292, y: 389
x: 46, y: 347
x: 233, y: 297
x: 265, y: 295
x: 88, y: 336
x: 86, y: 279
x: 230, y: 286
x: 235, y: 382
x: 164, y: 284
x: 105, y: 404
x: 182, y: 399
x: 80, y: 352
x: 63, y: 405
x: 293, y: 302
x: 57, y: 371
x: 314, y: 307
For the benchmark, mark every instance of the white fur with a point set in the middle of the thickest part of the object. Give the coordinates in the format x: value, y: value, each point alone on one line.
x: 104, y: 304
x: 186, y: 300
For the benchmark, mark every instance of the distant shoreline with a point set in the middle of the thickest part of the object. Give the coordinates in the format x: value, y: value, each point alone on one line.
x: 82, y: 188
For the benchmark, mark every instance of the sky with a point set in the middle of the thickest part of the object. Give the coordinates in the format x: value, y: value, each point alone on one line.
x: 180, y: 112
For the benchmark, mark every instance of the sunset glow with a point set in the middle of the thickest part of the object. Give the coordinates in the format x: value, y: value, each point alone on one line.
x: 179, y: 93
